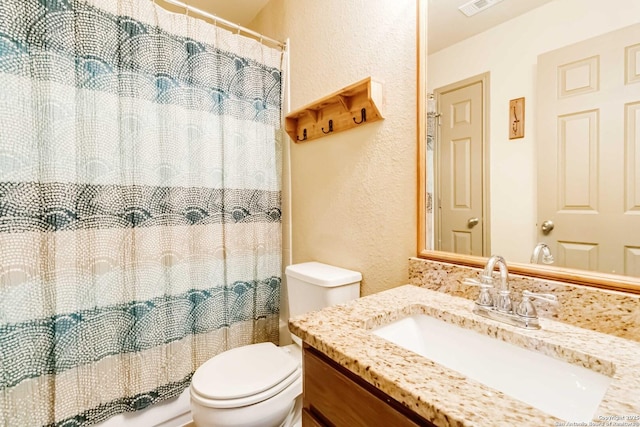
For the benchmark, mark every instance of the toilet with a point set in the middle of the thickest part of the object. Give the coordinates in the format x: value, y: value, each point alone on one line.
x: 260, y: 385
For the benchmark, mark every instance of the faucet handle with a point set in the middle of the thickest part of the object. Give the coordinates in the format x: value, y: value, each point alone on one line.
x: 526, y: 308
x: 475, y: 282
x: 546, y: 297
x: 471, y: 282
x: 484, y: 298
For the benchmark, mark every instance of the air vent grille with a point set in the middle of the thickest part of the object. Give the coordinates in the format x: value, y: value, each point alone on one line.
x: 475, y: 6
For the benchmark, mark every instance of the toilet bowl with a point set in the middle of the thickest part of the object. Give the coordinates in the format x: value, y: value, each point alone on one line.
x: 260, y: 385
x: 254, y: 385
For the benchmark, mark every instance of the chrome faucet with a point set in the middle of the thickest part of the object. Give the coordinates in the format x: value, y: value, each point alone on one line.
x: 547, y: 258
x: 487, y: 273
x: 499, y: 306
x: 503, y: 302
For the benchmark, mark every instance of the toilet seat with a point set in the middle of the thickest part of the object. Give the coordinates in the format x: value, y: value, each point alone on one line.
x: 244, y: 376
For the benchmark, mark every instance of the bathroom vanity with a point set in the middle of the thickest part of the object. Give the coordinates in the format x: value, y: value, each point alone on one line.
x: 333, y: 395
x: 351, y: 373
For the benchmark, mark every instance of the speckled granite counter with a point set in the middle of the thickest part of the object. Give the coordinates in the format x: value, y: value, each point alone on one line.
x: 446, y: 397
x: 610, y: 312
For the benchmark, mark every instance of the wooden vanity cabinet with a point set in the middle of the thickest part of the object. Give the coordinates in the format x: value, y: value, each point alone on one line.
x: 335, y: 396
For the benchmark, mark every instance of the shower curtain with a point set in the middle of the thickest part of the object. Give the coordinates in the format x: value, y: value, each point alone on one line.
x: 140, y: 226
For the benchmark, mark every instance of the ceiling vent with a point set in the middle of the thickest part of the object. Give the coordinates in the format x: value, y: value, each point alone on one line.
x: 475, y: 6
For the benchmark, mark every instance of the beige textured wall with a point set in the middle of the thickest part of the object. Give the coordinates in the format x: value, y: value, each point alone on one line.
x: 353, y: 194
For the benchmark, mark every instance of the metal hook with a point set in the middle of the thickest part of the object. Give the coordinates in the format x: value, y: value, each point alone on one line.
x: 330, y: 127
x: 304, y: 135
x: 363, y: 116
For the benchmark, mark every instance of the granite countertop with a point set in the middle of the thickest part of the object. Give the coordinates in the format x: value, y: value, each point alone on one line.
x: 446, y: 397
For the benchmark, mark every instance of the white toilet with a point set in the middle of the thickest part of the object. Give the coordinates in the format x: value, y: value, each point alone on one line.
x: 260, y: 385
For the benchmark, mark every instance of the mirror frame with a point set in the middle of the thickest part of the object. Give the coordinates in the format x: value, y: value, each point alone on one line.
x: 581, y: 277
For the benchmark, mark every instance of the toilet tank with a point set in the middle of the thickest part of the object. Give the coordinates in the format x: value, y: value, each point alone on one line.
x: 312, y: 286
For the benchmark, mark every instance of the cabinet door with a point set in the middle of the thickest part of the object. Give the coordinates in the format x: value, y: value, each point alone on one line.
x: 308, y: 420
x: 334, y: 396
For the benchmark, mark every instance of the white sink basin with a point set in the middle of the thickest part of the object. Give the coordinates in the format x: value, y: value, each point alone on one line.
x: 558, y: 388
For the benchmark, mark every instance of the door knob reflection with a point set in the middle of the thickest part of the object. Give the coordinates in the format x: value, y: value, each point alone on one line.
x: 547, y: 226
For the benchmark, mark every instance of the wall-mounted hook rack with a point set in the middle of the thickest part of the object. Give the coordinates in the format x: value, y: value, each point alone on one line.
x: 338, y: 111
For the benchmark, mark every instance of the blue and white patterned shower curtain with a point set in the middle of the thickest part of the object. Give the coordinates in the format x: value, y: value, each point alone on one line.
x: 140, y: 224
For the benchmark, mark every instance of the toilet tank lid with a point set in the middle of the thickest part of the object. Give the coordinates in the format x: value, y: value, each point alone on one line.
x: 323, y: 274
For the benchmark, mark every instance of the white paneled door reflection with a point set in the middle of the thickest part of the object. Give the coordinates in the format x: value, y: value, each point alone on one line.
x: 459, y: 164
x: 588, y: 139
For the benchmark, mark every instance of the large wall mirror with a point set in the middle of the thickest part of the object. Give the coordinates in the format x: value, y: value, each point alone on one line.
x: 532, y: 135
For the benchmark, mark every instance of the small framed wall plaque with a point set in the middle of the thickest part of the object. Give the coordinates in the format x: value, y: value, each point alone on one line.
x: 516, y: 118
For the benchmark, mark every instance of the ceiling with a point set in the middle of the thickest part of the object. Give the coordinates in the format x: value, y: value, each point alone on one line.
x: 236, y: 11
x: 446, y: 26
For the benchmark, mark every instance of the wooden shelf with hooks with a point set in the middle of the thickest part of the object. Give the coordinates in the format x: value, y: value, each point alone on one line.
x: 355, y: 105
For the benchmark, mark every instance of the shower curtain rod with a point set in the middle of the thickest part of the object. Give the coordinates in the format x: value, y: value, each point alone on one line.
x: 225, y: 22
